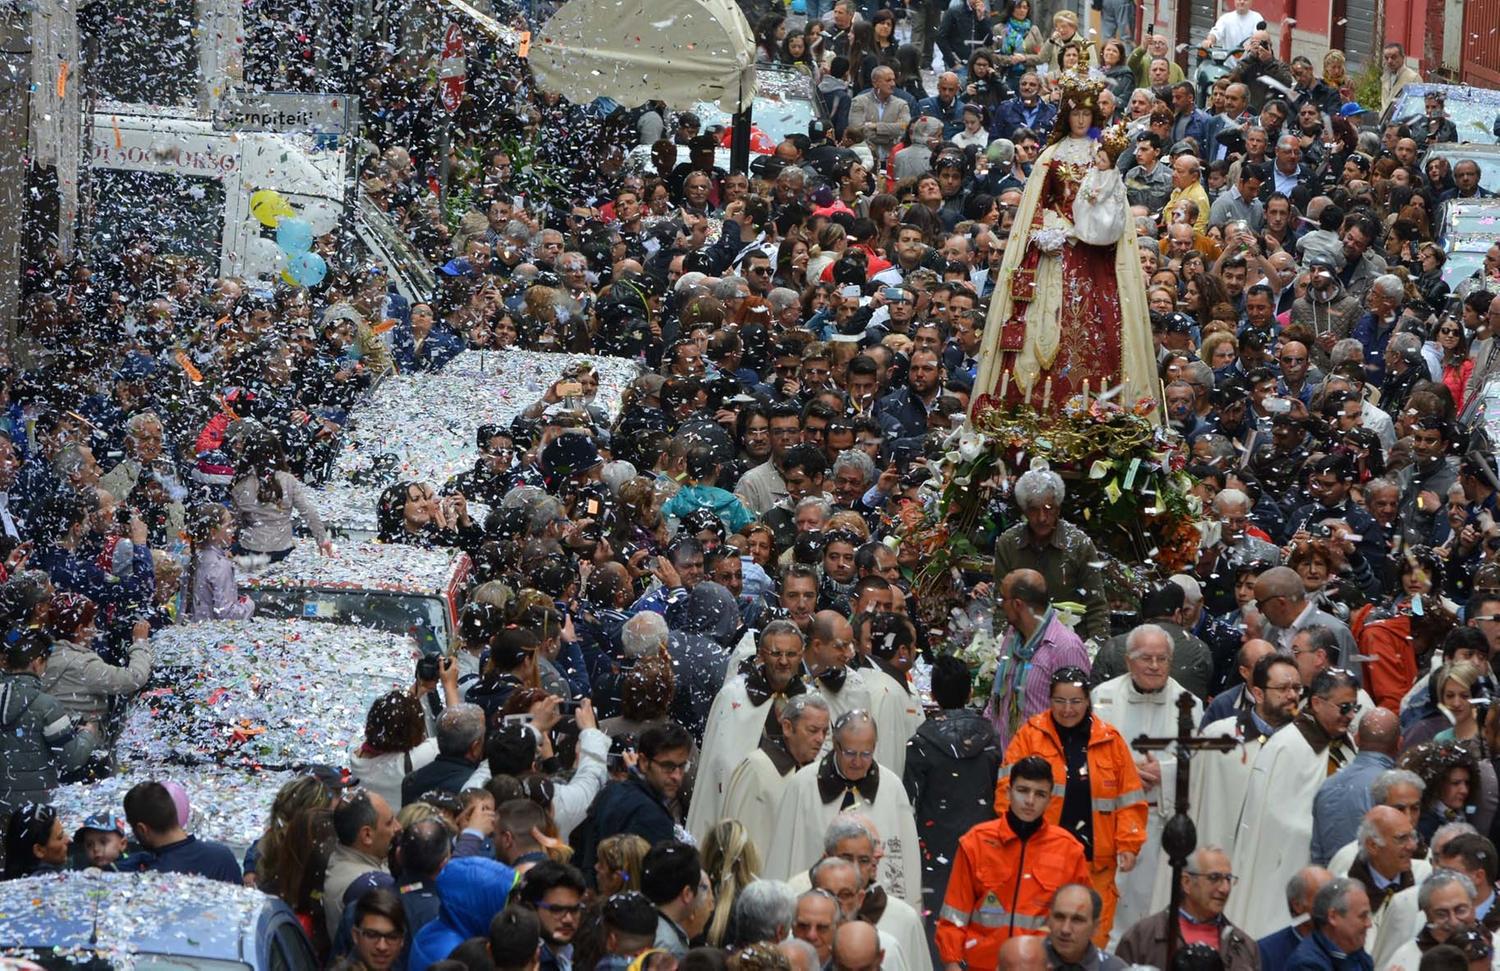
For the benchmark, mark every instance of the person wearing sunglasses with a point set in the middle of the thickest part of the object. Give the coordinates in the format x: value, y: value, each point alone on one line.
x: 1275, y: 833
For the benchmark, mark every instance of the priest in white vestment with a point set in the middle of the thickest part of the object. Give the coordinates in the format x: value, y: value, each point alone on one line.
x: 892, y: 649
x: 852, y: 839
x: 848, y: 778
x: 1385, y: 865
x: 1143, y: 701
x: 1216, y: 788
x: 830, y: 648
x: 756, y: 786
x: 742, y: 711
x: 1275, y: 835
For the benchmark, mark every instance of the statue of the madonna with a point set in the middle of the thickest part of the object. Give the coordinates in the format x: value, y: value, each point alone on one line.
x: 1069, y: 313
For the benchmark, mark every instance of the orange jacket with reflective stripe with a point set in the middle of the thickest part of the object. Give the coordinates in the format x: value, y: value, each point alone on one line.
x: 1115, y: 785
x: 1000, y: 887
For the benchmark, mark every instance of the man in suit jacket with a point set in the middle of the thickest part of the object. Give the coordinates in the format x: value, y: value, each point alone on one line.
x: 878, y: 116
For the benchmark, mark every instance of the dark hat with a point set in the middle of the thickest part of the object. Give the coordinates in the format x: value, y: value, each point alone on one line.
x: 569, y: 454
x: 1178, y: 323
x: 767, y: 166
x: 631, y: 913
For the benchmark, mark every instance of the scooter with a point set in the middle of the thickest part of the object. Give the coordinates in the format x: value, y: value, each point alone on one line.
x: 1213, y: 63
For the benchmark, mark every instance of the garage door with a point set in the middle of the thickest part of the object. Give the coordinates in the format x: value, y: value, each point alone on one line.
x: 1360, y: 44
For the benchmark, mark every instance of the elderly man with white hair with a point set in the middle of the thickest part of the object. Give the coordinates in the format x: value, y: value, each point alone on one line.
x: 1373, y: 330
x: 1446, y: 898
x: 765, y: 911
x: 849, y: 778
x: 1143, y: 701
x: 1385, y: 865
x: 1061, y: 552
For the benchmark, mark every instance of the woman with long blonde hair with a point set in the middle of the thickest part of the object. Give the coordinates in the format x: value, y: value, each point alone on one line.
x: 732, y: 863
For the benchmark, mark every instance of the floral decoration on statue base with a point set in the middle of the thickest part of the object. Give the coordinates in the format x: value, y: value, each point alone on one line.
x: 1126, y: 488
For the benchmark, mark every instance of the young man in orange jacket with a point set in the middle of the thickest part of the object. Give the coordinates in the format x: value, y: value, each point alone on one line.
x: 1005, y: 873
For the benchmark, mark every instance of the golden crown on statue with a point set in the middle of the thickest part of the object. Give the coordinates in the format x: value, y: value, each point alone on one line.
x: 1080, y: 91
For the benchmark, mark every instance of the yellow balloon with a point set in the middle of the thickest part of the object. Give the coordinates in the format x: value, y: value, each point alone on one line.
x: 288, y: 278
x: 268, y: 206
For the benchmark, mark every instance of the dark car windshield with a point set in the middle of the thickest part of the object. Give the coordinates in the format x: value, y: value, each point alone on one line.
x: 424, y: 619
x: 1473, y: 117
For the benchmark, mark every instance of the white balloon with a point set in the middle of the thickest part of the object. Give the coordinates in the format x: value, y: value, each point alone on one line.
x: 322, y: 215
x: 264, y: 258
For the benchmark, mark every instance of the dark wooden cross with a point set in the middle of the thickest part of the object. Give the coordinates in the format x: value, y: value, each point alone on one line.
x: 1180, y: 837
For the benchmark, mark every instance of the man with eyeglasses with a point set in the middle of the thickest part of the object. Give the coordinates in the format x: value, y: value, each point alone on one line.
x: 841, y: 880
x: 1446, y: 899
x: 1474, y: 856
x: 756, y: 268
x: 490, y: 479
x: 1143, y: 700
x: 848, y: 777
x: 1216, y: 790
x: 745, y: 709
x: 1275, y: 831
x: 817, y: 918
x: 638, y: 803
x: 1206, y: 886
x: 555, y: 891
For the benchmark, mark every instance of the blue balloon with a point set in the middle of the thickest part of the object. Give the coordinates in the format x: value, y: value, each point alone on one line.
x: 308, y: 269
x: 294, y: 235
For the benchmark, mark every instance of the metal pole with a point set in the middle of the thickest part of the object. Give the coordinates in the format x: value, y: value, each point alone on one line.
x: 739, y: 143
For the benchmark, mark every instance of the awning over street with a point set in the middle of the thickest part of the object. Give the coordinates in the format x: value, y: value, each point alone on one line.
x: 676, y: 51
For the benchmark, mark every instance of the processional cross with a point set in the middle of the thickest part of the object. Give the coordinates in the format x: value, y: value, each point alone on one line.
x: 1180, y: 837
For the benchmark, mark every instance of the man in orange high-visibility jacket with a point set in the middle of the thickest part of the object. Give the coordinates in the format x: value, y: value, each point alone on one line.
x: 1005, y: 873
x: 1101, y: 801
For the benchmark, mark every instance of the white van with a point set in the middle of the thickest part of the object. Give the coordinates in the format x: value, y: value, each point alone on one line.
x: 169, y: 173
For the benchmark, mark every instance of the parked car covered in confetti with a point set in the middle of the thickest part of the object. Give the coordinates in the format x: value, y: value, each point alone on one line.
x: 235, y: 709
x: 263, y: 693
x: 420, y: 427
x: 404, y: 590
x: 89, y: 919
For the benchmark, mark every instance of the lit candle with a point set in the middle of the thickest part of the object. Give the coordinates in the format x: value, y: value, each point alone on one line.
x: 1004, y: 383
x: 1085, y: 394
x: 1047, y: 394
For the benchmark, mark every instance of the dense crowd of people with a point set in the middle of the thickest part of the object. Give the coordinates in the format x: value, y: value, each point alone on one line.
x: 693, y: 716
